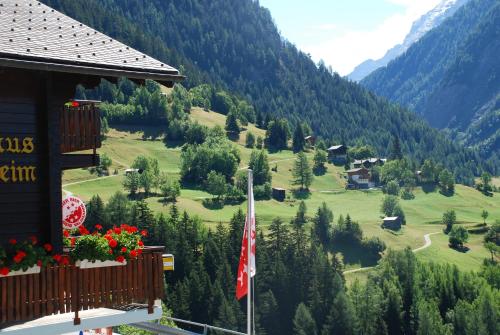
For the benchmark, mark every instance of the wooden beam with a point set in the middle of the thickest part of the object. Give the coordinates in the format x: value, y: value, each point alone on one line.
x: 78, y: 161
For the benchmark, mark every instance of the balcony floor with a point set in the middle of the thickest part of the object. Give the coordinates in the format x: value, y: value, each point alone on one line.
x: 90, y: 319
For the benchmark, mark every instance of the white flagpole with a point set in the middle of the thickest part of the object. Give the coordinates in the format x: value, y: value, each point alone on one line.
x: 249, y: 253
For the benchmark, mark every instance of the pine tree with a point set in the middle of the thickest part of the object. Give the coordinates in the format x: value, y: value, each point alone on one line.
x: 232, y: 124
x: 340, y: 319
x: 322, y: 221
x: 301, y: 172
x: 95, y: 212
x: 303, y: 323
x: 118, y: 209
x: 429, y: 320
x: 396, y: 152
x: 299, y: 141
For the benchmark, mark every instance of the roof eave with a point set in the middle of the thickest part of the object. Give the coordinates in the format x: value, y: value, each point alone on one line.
x: 165, y: 78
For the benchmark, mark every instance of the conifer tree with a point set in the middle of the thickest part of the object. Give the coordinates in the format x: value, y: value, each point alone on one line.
x: 340, y: 319
x: 301, y: 172
x: 396, y: 152
x: 95, y: 212
x: 303, y: 323
x: 299, y: 142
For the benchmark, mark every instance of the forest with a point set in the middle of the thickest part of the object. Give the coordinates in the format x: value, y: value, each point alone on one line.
x: 207, y: 41
x: 403, y: 296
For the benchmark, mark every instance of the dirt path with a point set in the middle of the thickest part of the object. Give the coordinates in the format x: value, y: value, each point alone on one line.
x: 427, y: 244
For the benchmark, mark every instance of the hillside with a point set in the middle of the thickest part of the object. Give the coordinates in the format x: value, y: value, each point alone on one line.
x: 452, y: 76
x: 419, y: 28
x: 238, y: 47
x: 423, y: 213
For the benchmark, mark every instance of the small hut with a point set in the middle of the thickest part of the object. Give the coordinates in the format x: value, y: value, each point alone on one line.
x: 392, y: 222
x: 279, y: 193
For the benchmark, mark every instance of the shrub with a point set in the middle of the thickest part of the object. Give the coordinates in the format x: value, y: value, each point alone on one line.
x: 262, y: 192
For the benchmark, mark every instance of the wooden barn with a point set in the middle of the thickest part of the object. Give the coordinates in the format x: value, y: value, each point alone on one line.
x: 279, y: 194
x: 392, y: 222
x: 310, y: 140
x: 43, y: 56
x: 337, y: 154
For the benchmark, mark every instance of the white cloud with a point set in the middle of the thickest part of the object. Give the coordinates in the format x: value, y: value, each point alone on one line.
x: 347, y: 49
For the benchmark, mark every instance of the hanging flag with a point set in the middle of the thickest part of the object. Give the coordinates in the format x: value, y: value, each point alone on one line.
x: 242, y: 280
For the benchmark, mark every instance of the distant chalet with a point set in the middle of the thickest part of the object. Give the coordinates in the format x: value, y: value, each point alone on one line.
x: 44, y: 55
x: 337, y: 154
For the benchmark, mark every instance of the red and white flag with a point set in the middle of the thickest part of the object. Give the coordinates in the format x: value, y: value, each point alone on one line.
x: 242, y: 281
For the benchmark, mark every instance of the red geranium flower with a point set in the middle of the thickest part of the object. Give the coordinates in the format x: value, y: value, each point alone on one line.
x: 73, y: 240
x: 117, y: 230
x: 33, y: 239
x: 140, y: 243
x: 57, y: 258
x: 13, y: 241
x: 144, y: 233
x: 133, y: 253
x: 124, y: 250
x: 120, y: 259
x: 98, y: 227
x: 19, y: 256
x: 47, y: 247
x: 4, y: 271
x: 64, y: 260
x: 83, y: 230
x: 112, y: 243
x: 66, y: 233
x: 139, y: 251
x: 108, y: 237
x: 39, y: 263
x: 110, y: 251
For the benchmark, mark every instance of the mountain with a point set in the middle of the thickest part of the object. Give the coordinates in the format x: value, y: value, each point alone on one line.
x: 451, y: 76
x: 419, y: 28
x: 236, y: 46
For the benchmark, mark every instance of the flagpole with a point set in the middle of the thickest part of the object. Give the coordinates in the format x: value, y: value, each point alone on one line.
x: 249, y: 253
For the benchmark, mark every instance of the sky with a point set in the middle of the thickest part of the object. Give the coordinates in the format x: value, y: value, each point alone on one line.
x: 344, y: 33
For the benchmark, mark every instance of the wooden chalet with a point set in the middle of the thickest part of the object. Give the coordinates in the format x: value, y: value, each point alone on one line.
x: 337, y: 154
x: 359, y: 178
x: 44, y: 54
x: 310, y: 140
x: 392, y: 222
x: 369, y: 162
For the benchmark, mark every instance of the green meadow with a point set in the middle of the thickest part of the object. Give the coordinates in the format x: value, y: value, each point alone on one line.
x: 423, y: 213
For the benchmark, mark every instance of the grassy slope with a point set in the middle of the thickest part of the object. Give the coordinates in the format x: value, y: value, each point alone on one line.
x: 422, y: 213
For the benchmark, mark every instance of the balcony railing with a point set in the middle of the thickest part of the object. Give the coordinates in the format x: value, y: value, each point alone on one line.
x: 68, y: 289
x: 80, y: 127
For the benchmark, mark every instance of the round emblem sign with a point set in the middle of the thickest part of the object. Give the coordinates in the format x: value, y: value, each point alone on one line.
x: 74, y: 212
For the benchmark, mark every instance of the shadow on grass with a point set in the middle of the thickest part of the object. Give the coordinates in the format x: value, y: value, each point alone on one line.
x: 213, y: 203
x: 301, y: 194
x: 429, y: 187
x: 447, y: 193
x: 319, y: 171
x: 356, y: 254
x: 463, y: 249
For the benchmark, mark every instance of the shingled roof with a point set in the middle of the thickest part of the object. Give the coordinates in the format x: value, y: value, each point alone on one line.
x: 35, y: 36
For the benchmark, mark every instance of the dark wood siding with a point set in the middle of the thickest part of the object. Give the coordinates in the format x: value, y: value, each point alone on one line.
x: 24, y: 207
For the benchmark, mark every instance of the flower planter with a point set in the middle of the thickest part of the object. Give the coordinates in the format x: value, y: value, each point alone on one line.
x: 32, y: 270
x: 86, y: 264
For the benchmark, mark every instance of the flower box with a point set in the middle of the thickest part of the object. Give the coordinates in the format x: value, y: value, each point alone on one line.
x: 86, y: 264
x: 32, y: 270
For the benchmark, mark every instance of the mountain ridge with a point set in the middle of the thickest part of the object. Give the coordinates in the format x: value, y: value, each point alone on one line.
x: 419, y: 28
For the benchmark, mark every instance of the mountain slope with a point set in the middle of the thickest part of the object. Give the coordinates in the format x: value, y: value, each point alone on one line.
x: 236, y: 46
x: 452, y: 75
x: 419, y: 28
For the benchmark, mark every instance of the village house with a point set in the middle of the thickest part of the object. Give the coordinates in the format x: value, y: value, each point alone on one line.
x: 337, y: 154
x: 392, y: 222
x: 44, y: 55
x: 359, y: 178
x: 310, y: 140
x: 369, y: 162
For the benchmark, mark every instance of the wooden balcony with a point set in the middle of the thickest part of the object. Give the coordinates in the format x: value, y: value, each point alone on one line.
x: 80, y: 127
x: 63, y: 289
